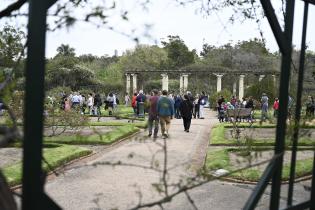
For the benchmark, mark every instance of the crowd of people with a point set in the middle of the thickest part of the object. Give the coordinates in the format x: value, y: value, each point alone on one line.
x: 140, y: 103
x: 90, y: 104
x: 224, y: 105
x: 161, y: 107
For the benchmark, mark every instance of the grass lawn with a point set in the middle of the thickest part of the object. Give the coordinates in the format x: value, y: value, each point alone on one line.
x: 219, y: 159
x: 217, y: 137
x: 55, y: 156
x: 107, y: 138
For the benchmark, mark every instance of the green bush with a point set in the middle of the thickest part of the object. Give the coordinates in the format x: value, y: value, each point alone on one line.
x: 215, y: 96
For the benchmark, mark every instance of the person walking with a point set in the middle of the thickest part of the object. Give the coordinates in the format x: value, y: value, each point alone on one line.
x: 97, y: 105
x: 153, y: 114
x: 250, y: 105
x: 90, y: 103
x: 196, y: 107
x: 165, y: 110
x: 186, y: 111
x: 177, y: 100
x: 140, y: 103
x: 110, y: 103
x: 75, y: 101
x: 67, y: 104
x: 275, y: 107
x: 264, y: 107
x: 202, y: 102
x: 127, y: 99
x: 134, y: 104
x: 219, y: 103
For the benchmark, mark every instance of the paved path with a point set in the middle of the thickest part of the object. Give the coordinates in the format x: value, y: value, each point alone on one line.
x: 106, y: 187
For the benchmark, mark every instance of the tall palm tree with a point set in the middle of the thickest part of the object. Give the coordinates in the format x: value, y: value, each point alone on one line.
x: 66, y: 50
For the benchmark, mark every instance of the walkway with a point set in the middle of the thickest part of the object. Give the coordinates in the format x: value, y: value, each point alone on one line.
x: 106, y: 187
x: 99, y: 186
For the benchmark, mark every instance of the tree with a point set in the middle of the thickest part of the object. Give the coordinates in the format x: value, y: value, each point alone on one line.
x: 65, y: 50
x: 178, y: 53
x: 144, y: 57
x: 65, y: 71
x: 11, y: 45
x: 206, y: 49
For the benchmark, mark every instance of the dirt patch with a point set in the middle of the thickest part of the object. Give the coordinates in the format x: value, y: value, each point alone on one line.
x: 239, y: 161
x: 9, y: 156
x: 112, y: 119
x: 266, y: 133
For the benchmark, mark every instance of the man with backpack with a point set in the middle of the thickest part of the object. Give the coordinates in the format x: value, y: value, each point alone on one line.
x: 165, y: 110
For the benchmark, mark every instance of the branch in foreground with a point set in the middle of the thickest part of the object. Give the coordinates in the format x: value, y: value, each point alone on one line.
x: 11, y: 8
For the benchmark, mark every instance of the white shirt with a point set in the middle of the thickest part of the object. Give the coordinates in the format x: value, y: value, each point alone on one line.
x: 90, y: 101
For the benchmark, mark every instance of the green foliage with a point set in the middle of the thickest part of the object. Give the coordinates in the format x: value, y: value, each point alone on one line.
x: 173, y: 86
x: 216, y: 95
x: 65, y: 50
x: 218, y: 138
x: 10, y: 45
x: 217, y: 159
x: 144, y: 57
x: 266, y: 85
x: 152, y: 84
x: 64, y: 71
x: 178, y: 53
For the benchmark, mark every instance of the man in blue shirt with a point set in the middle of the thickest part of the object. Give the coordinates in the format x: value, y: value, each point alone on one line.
x: 165, y: 110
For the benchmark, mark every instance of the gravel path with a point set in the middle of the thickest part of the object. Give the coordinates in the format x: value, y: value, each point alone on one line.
x: 9, y: 156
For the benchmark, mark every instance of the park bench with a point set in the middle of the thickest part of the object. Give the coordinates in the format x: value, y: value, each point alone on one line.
x: 239, y: 113
x: 236, y: 115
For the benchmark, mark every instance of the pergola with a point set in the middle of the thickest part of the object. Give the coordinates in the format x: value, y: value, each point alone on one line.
x: 131, y: 77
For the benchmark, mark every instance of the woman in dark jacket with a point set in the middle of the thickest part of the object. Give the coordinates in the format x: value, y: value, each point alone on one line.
x: 186, y: 110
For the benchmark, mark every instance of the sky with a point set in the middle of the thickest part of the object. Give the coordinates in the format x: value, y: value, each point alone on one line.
x: 166, y: 17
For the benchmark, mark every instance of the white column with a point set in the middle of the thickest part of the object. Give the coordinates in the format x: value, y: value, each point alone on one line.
x: 274, y: 77
x: 261, y: 77
x: 181, y: 84
x: 234, y: 88
x: 219, y: 82
x: 164, y: 82
x: 241, y: 87
x: 134, y: 81
x: 185, y: 82
x: 128, y: 83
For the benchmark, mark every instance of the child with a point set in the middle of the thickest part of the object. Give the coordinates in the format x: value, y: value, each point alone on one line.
x: 221, y: 114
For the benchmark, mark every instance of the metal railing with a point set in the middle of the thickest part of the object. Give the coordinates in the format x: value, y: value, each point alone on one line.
x: 33, y: 195
x: 274, y: 169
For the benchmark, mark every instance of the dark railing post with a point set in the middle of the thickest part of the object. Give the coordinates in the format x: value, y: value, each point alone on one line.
x: 283, y: 108
x: 33, y: 195
x: 298, y: 107
x: 313, y: 187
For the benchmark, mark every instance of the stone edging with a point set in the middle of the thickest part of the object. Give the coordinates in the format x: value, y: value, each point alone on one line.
x: 233, y: 180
